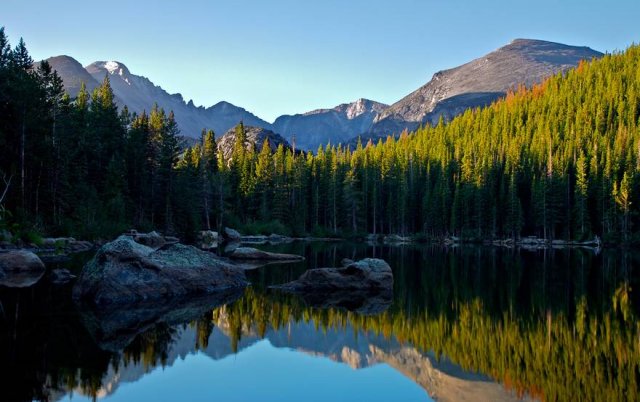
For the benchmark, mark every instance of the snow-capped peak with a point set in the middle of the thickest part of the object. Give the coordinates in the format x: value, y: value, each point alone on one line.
x: 111, y: 66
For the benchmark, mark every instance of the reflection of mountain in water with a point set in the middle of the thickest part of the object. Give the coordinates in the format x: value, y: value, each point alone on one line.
x: 441, y: 380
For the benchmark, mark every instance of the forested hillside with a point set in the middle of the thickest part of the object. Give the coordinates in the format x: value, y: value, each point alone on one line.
x: 558, y: 161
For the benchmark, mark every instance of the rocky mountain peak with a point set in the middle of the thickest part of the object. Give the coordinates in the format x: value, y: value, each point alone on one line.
x: 110, y: 67
x: 140, y: 94
x: 255, y: 137
x: 362, y: 106
x: 479, y: 82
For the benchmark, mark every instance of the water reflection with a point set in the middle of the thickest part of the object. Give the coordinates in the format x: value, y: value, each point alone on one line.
x: 552, y: 325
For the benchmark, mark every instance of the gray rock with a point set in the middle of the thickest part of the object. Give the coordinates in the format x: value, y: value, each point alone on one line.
x: 255, y: 137
x: 250, y: 253
x: 229, y: 247
x: 395, y: 239
x: 366, y: 274
x: 68, y: 244
x: 79, y: 246
x: 232, y: 234
x: 61, y: 276
x: 254, y: 239
x: 346, y: 261
x: 151, y: 239
x: 278, y: 238
x: 208, y: 239
x: 124, y: 271
x: 20, y: 268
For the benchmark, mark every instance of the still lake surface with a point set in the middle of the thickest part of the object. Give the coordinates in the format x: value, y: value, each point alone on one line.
x: 465, y: 323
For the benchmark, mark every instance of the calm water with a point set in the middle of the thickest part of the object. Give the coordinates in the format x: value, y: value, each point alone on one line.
x: 468, y: 323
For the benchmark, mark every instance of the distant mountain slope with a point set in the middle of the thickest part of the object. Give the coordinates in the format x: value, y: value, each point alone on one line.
x: 323, y: 126
x: 478, y: 83
x: 139, y: 93
x: 449, y: 93
x: 72, y: 74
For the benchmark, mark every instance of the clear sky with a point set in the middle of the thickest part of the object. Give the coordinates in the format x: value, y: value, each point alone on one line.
x: 277, y: 57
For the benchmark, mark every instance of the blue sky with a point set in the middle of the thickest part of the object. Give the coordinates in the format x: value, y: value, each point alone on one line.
x: 290, y: 56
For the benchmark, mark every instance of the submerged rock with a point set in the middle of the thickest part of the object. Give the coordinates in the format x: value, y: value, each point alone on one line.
x: 249, y: 253
x: 20, y: 268
x: 366, y: 274
x: 124, y: 271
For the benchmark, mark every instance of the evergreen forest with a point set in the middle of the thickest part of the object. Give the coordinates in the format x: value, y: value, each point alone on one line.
x: 560, y: 160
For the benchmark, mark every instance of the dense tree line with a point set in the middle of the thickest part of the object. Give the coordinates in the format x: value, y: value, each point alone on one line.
x: 78, y: 166
x: 559, y: 160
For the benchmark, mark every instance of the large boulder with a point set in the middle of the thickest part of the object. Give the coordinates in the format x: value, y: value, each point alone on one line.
x: 124, y: 271
x: 208, y: 239
x: 366, y: 274
x: 250, y: 253
x: 232, y: 235
x: 20, y: 268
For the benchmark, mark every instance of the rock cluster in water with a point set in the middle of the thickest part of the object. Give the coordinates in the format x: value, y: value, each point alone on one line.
x: 366, y: 274
x: 20, y: 268
x: 126, y: 271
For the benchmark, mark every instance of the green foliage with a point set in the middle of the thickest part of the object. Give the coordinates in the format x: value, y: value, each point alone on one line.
x: 559, y: 160
x: 265, y: 228
x: 28, y: 236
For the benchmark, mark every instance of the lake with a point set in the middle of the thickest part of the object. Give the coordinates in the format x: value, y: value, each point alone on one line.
x: 464, y: 323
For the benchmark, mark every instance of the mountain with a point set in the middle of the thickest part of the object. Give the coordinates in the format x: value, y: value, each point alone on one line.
x: 139, y: 94
x: 478, y: 83
x: 255, y: 137
x: 322, y: 126
x: 72, y: 74
x: 449, y: 93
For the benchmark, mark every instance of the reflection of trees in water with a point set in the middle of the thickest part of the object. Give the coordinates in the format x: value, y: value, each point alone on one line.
x: 556, y: 325
x: 592, y: 356
x: 559, y: 325
x: 151, y: 347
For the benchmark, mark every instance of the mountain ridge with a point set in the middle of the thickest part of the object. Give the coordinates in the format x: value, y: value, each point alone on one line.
x: 334, y: 125
x: 139, y: 93
x: 450, y: 92
x: 478, y: 83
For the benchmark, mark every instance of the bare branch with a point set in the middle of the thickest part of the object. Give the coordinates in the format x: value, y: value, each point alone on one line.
x: 7, y: 184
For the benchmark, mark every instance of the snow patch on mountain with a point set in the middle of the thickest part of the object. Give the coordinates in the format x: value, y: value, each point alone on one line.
x: 112, y: 67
